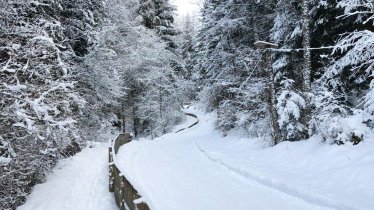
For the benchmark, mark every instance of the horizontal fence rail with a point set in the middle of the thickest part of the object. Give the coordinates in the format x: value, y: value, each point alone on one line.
x: 190, y: 126
x: 127, y: 198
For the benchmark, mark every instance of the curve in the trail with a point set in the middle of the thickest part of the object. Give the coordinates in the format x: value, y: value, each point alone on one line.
x: 192, y: 125
x: 172, y: 173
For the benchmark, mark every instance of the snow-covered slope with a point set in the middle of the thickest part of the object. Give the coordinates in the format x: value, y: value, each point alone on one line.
x: 77, y: 183
x: 336, y: 176
x: 199, y: 169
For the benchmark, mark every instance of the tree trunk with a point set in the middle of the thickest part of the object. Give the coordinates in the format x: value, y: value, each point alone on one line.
x: 307, y: 66
x: 135, y: 121
x: 123, y: 119
x: 276, y: 133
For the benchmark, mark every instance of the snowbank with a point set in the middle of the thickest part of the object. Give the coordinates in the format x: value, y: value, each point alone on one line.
x: 340, y: 177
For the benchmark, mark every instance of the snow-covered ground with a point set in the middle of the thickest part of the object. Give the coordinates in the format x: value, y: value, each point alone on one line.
x: 199, y: 169
x: 77, y: 183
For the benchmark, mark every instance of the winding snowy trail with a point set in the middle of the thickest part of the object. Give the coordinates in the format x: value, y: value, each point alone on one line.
x: 171, y: 173
x: 198, y: 169
x: 77, y: 183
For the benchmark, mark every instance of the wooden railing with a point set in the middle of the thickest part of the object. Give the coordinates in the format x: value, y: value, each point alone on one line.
x: 190, y: 126
x: 125, y: 194
x: 127, y: 198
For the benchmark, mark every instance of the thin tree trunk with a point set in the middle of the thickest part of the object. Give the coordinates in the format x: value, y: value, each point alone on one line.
x: 123, y: 119
x: 307, y: 66
x: 276, y: 134
x: 135, y: 122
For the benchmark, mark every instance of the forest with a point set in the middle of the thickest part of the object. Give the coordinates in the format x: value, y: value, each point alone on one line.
x: 278, y: 70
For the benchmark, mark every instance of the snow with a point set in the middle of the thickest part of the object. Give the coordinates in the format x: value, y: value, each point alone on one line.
x: 333, y: 176
x: 263, y: 44
x: 15, y: 88
x: 200, y: 169
x: 77, y: 183
x: 43, y: 38
x: 36, y: 3
x: 4, y: 160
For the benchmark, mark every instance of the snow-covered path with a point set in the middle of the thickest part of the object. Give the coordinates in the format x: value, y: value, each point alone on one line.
x: 171, y: 173
x: 77, y: 183
x: 198, y: 169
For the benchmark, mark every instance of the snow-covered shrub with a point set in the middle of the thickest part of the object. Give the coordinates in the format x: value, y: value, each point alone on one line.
x: 6, y: 152
x: 334, y: 121
x: 39, y: 102
x: 290, y: 106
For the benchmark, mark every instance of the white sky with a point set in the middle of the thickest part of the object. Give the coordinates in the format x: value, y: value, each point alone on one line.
x: 186, y: 6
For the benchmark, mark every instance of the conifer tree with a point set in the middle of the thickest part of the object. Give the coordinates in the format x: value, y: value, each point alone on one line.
x: 229, y: 65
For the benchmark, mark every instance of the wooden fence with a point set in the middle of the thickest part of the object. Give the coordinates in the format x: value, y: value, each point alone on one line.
x: 195, y: 123
x: 126, y: 196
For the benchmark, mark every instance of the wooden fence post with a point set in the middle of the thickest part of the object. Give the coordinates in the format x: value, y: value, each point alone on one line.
x: 111, y: 177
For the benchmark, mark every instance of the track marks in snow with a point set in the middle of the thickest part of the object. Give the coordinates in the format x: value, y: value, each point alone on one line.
x: 273, y: 184
x: 172, y: 173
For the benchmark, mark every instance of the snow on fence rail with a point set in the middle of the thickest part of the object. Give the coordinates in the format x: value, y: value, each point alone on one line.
x: 125, y: 194
x: 195, y: 123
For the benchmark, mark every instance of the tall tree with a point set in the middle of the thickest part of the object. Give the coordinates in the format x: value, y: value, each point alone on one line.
x: 307, y: 67
x: 159, y: 15
x: 228, y: 64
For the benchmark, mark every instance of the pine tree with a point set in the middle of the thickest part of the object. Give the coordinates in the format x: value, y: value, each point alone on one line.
x: 345, y: 74
x: 159, y: 15
x: 148, y: 11
x: 228, y: 64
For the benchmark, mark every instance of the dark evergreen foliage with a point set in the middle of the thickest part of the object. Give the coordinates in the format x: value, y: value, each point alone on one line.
x: 225, y: 59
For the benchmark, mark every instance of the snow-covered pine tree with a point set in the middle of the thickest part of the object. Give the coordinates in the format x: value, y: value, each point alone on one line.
x: 287, y: 33
x: 357, y: 47
x: 202, y: 49
x: 164, y: 18
x: 290, y: 105
x: 159, y: 15
x: 187, y: 50
x: 229, y: 66
x: 148, y: 12
x: 348, y: 77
